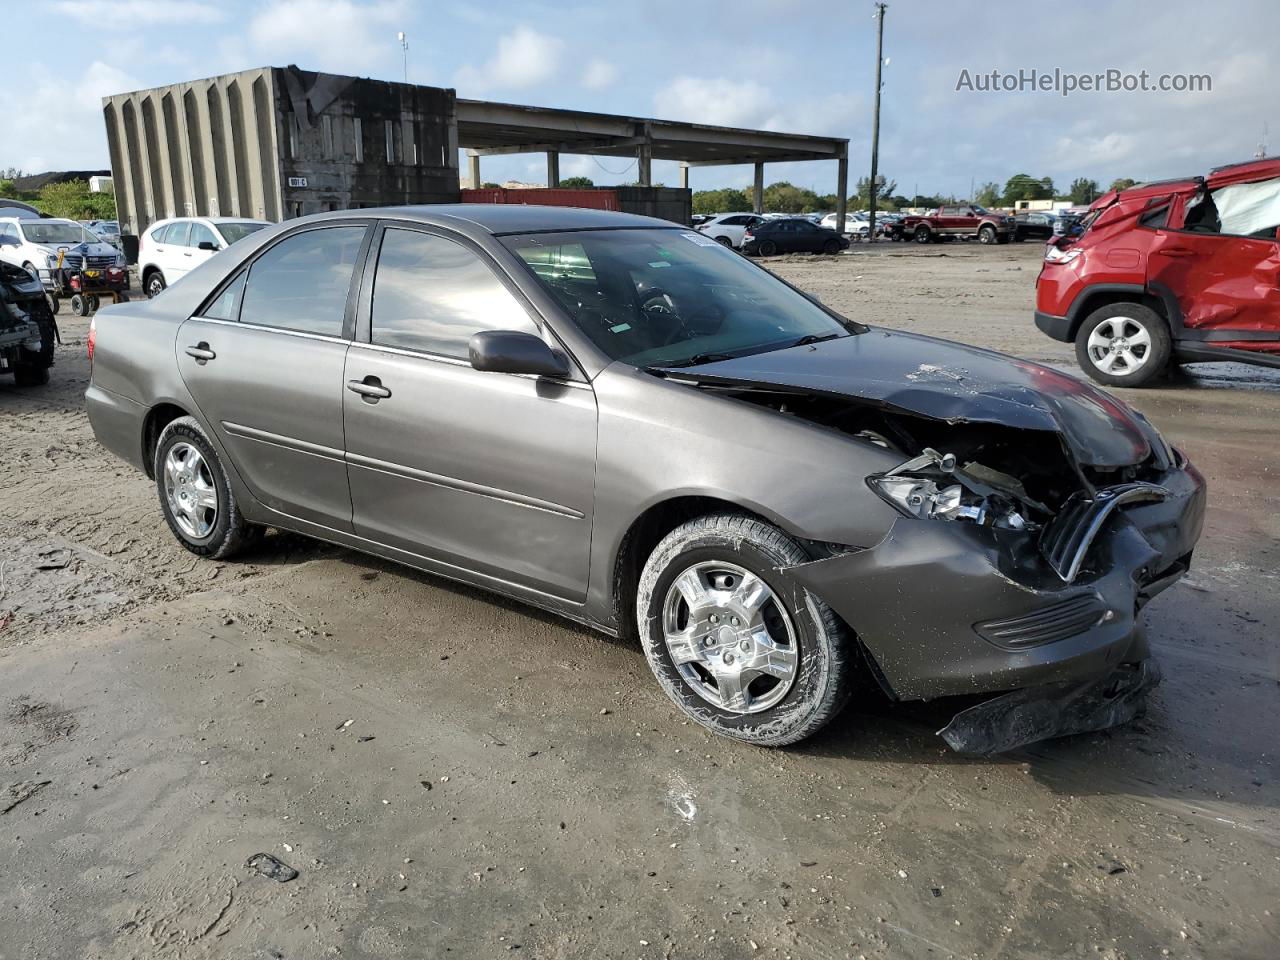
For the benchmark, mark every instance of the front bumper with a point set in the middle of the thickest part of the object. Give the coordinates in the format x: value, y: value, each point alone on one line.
x: 1057, y: 327
x: 918, y: 599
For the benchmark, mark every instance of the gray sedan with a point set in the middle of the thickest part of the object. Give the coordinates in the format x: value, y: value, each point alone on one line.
x: 621, y: 421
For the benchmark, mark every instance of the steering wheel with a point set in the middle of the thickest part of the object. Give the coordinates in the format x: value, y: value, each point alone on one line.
x: 657, y: 302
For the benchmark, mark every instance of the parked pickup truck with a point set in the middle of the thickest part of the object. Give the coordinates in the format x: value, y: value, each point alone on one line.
x: 968, y: 220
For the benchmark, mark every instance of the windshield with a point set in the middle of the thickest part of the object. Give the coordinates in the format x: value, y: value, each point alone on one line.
x: 232, y: 232
x: 978, y: 209
x: 55, y: 231
x: 670, y: 297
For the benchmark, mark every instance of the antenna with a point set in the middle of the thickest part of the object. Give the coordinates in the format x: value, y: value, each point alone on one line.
x: 1261, y: 152
x: 404, y: 47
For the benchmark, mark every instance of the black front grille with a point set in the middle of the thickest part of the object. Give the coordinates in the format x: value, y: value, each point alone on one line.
x: 1056, y: 622
x: 1066, y: 539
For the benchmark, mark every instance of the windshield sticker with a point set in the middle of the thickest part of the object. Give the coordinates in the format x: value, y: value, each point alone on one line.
x: 620, y: 328
x: 658, y: 263
x: 700, y: 240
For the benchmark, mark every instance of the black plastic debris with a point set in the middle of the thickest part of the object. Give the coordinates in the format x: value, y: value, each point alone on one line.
x: 270, y: 867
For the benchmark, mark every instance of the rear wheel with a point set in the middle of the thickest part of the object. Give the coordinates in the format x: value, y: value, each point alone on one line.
x: 1123, y: 345
x: 195, y: 495
x: 767, y: 248
x: 79, y: 305
x: 922, y: 233
x: 724, y: 241
x: 736, y: 645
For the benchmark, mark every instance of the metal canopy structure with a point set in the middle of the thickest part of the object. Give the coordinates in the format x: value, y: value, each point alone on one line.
x: 487, y: 129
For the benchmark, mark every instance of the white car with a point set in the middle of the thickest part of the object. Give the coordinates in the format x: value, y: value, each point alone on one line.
x: 728, y: 228
x: 169, y: 249
x: 855, y: 225
x: 36, y: 243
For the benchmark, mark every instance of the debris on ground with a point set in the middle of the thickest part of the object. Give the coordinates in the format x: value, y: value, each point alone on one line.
x: 271, y: 867
x: 22, y: 792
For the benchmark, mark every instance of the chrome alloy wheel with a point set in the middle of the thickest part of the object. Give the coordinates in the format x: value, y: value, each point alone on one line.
x: 190, y: 490
x: 1119, y: 346
x: 729, y: 636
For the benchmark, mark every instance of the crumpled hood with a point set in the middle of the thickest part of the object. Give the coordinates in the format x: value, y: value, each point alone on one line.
x: 99, y: 248
x: 947, y: 381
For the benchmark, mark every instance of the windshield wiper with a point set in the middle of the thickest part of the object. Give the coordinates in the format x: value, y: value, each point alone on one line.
x: 809, y: 338
x: 696, y: 360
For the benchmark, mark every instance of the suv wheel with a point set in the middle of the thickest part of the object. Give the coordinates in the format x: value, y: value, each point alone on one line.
x: 195, y: 495
x: 987, y: 234
x: 922, y: 233
x: 154, y: 284
x: 739, y: 648
x: 1123, y: 345
x: 724, y: 241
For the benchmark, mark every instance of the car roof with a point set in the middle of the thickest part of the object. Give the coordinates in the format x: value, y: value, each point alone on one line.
x: 501, y: 218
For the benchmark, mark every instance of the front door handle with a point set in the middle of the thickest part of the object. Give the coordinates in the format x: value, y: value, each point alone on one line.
x: 370, y: 389
x: 201, y: 352
x: 1176, y: 251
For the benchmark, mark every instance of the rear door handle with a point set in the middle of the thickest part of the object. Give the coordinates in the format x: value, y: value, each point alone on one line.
x: 201, y: 352
x: 1176, y: 251
x: 370, y: 389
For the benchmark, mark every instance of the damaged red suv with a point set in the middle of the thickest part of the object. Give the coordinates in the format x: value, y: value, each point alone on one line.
x: 1181, y: 270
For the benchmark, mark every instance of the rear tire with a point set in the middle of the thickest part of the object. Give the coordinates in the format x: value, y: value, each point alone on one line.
x: 724, y: 241
x: 809, y: 656
x: 1124, y: 345
x: 78, y: 305
x: 195, y: 495
x: 767, y: 248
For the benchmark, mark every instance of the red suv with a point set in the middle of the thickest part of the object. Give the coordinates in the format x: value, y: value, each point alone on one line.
x: 1181, y: 269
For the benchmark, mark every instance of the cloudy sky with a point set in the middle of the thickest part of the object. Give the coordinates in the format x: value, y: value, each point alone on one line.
x: 795, y: 66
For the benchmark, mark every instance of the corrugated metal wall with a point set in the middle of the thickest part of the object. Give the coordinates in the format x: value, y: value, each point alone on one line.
x: 204, y: 148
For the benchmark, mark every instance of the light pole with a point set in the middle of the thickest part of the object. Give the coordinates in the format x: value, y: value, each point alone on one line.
x: 404, y: 49
x: 875, y: 123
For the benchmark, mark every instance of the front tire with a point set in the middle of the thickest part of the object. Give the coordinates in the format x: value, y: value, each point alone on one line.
x: 831, y: 248
x: 987, y: 234
x: 154, y: 284
x: 734, y: 643
x: 922, y: 234
x: 195, y: 494
x: 1124, y: 345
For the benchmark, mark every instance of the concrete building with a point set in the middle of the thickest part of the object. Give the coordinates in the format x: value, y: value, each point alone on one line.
x: 280, y: 142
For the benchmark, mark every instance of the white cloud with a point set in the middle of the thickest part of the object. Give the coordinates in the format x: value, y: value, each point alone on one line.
x: 137, y: 14
x: 599, y: 74
x: 73, y: 136
x: 338, y: 36
x: 524, y: 58
x: 717, y: 100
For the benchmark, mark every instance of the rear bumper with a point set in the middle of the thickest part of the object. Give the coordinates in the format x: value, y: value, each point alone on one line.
x: 1059, y: 328
x: 918, y: 599
x: 117, y: 423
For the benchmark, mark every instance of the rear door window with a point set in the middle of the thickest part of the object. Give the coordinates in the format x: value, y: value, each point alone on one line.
x: 226, y: 306
x: 1249, y: 209
x: 430, y: 294
x: 302, y: 282
x: 177, y: 234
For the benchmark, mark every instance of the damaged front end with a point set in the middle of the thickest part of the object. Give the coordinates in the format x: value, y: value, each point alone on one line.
x: 1036, y: 516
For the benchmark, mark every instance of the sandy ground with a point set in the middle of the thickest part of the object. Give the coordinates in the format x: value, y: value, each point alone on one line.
x: 453, y: 775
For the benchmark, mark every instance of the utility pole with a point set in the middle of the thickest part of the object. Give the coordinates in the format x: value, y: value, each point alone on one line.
x: 404, y: 48
x: 875, y: 123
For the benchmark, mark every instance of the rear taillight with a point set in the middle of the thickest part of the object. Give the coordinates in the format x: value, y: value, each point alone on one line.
x: 93, y: 337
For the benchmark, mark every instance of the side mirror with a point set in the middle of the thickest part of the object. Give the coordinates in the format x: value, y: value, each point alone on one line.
x: 510, y: 351
x: 206, y: 245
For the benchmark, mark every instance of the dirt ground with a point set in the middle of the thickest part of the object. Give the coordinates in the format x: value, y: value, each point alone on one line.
x: 454, y: 775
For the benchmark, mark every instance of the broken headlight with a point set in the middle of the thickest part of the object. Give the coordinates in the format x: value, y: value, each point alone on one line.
x: 933, y: 487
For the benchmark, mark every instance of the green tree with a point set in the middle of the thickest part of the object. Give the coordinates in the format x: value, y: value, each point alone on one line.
x: 862, y: 192
x: 1123, y: 183
x: 1083, y: 191
x: 1023, y: 186
x: 73, y: 201
x: 988, y: 195
x: 784, y: 197
x: 724, y: 200
x: 576, y: 183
